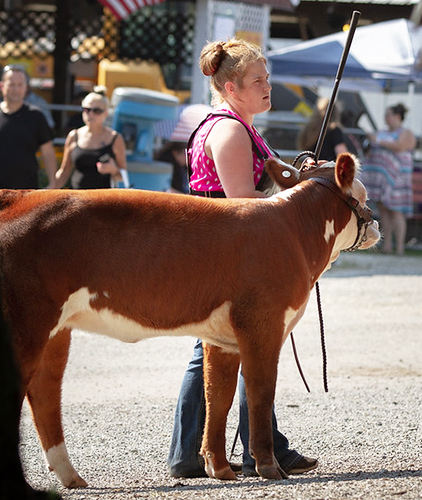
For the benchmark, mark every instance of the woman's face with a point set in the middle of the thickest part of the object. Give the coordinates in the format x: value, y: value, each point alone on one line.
x: 393, y: 120
x: 255, y: 92
x: 93, y: 111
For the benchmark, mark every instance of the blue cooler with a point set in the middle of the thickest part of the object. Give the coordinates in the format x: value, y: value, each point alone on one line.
x: 152, y: 175
x: 135, y: 113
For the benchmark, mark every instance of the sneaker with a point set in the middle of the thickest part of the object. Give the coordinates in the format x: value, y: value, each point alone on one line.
x: 181, y: 472
x: 236, y: 468
x: 300, y: 465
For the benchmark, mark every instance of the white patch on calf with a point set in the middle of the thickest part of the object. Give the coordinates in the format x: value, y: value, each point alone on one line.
x: 344, y: 239
x: 329, y: 230
x: 347, y: 236
x: 76, y: 303
x: 77, y: 313
x: 292, y: 318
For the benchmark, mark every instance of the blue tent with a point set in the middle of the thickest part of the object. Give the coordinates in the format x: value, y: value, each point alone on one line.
x: 383, y: 56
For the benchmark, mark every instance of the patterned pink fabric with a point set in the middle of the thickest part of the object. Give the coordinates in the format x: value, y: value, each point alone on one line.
x: 388, y: 176
x: 204, y: 175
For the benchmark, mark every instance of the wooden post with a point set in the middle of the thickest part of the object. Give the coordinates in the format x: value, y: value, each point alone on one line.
x: 62, y: 82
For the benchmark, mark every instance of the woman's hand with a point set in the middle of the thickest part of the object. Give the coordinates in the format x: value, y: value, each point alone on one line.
x: 372, y: 138
x: 107, y: 165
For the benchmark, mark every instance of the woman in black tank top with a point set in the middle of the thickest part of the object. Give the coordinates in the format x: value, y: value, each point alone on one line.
x: 94, y: 153
x: 85, y: 174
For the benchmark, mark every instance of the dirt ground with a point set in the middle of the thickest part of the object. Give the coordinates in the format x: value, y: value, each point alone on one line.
x: 119, y: 400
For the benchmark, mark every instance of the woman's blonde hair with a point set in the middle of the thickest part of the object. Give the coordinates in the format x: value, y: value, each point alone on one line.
x: 227, y: 62
x: 308, y: 136
x: 99, y: 93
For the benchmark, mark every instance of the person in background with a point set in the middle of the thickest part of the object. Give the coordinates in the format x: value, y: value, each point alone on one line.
x: 334, y: 142
x: 224, y: 164
x: 37, y: 101
x: 387, y: 174
x: 93, y: 154
x: 174, y: 150
x: 23, y: 131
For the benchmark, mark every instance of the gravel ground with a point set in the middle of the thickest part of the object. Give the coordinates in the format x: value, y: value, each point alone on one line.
x: 119, y: 401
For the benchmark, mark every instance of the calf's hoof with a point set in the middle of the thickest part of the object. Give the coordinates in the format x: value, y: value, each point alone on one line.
x: 77, y: 482
x: 272, y: 472
x: 71, y: 480
x: 211, y: 468
x: 225, y: 474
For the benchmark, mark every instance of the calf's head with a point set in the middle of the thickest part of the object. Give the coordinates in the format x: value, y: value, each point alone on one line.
x: 341, y: 178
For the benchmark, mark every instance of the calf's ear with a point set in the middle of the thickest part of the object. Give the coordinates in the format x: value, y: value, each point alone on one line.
x: 281, y: 173
x: 346, y: 168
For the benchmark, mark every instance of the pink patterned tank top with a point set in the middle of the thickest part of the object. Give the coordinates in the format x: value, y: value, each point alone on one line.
x: 204, y: 173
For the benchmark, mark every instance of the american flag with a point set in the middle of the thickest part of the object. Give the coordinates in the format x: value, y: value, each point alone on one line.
x: 123, y: 8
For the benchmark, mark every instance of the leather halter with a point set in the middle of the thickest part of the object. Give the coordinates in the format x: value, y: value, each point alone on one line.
x: 363, y: 214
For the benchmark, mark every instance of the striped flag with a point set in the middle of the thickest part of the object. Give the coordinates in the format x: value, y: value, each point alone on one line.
x: 123, y: 8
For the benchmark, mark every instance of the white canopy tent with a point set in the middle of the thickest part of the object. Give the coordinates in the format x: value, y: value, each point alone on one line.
x: 384, y: 59
x: 383, y: 56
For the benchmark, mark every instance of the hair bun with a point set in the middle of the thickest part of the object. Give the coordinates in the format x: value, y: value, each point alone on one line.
x: 213, y: 59
x: 100, y: 89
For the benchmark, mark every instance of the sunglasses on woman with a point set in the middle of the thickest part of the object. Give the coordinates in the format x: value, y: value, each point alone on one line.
x: 96, y: 111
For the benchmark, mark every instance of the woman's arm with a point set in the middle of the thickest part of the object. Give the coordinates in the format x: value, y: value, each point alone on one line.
x: 66, y: 167
x: 119, y: 150
x: 405, y: 142
x: 229, y: 145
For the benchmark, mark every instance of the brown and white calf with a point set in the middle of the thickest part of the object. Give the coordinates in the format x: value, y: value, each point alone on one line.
x: 134, y: 264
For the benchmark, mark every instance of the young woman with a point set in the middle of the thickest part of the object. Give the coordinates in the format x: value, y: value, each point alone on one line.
x: 225, y: 163
x: 94, y: 153
x: 387, y: 174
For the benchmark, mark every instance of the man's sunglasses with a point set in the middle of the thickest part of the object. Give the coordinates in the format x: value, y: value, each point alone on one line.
x: 96, y: 111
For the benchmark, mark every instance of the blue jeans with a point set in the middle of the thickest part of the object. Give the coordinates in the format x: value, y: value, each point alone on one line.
x: 189, y: 423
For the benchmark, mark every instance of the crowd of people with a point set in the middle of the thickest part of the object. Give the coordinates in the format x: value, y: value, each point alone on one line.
x: 387, y: 165
x: 94, y: 155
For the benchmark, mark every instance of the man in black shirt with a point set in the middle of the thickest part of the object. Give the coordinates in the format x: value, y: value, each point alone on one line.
x: 23, y: 131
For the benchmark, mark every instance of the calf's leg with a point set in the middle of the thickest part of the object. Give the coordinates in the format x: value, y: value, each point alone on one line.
x: 259, y: 367
x: 44, y: 396
x: 220, y: 379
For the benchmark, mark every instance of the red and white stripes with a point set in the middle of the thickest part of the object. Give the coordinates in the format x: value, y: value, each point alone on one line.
x: 123, y: 8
